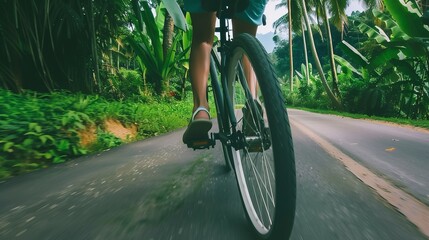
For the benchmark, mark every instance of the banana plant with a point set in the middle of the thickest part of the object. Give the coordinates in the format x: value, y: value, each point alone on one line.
x: 147, y: 43
x: 400, y: 61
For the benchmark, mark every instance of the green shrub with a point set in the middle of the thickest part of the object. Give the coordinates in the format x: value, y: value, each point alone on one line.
x: 37, y: 130
x: 105, y: 140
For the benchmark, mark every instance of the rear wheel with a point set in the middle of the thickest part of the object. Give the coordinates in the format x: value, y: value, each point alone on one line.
x: 227, y: 150
x: 221, y: 116
x: 263, y: 158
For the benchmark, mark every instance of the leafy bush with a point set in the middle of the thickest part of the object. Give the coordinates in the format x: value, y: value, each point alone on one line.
x: 310, y: 95
x: 37, y: 130
x: 105, y: 140
x: 127, y: 85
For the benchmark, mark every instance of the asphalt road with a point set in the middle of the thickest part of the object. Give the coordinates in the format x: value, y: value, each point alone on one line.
x: 159, y: 189
x: 400, y: 154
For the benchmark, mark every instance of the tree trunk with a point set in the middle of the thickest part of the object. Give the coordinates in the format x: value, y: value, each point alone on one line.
x: 307, y: 70
x: 110, y: 66
x: 94, y: 50
x: 331, y: 96
x: 167, y: 42
x: 119, y: 55
x: 168, y: 33
x: 331, y: 57
x: 290, y: 44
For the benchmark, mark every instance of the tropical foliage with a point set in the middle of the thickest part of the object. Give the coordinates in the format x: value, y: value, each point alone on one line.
x: 382, y: 64
x: 50, y: 45
x: 397, y: 65
x: 158, y: 65
x: 131, y: 54
x: 81, y: 46
x: 37, y: 129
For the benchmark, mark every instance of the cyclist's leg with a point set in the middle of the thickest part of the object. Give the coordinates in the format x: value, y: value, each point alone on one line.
x: 244, y: 26
x: 248, y: 22
x: 203, y: 24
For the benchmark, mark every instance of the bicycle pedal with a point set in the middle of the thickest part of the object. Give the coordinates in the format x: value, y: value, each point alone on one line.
x: 201, y: 144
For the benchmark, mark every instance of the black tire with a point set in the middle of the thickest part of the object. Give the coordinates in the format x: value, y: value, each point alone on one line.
x: 267, y: 186
x: 227, y: 150
x: 221, y: 115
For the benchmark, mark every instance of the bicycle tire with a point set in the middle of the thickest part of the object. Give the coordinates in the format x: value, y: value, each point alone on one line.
x: 269, y: 200
x: 221, y: 115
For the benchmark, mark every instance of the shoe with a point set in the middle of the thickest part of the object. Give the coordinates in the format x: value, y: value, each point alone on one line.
x: 198, y: 128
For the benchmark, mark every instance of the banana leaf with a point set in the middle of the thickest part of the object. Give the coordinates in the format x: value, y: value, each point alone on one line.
x: 397, y: 32
x: 408, y: 17
x: 406, y: 68
x: 153, y: 32
x: 411, y: 48
x: 343, y: 62
x: 176, y: 13
x: 354, y: 54
x: 384, y: 57
x: 380, y: 36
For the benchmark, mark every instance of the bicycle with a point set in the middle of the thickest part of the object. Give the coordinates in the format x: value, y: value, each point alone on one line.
x: 254, y: 133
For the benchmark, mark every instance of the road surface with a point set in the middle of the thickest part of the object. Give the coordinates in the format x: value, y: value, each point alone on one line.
x: 159, y: 189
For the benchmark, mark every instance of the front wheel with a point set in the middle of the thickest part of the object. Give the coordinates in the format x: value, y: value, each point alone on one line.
x: 264, y: 157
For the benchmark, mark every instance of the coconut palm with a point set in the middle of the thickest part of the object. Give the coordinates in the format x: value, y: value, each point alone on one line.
x: 293, y: 21
x: 337, y: 9
x: 331, y: 95
x: 302, y: 22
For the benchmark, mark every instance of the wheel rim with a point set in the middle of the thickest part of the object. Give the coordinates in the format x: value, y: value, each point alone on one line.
x: 254, y: 168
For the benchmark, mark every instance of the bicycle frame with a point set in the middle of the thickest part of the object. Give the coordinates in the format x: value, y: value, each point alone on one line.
x: 222, y: 96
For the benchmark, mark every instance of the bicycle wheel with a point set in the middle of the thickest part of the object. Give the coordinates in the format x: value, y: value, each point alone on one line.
x: 264, y: 159
x: 221, y: 115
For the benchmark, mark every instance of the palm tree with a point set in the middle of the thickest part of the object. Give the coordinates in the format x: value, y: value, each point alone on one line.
x: 290, y: 44
x: 294, y: 12
x: 302, y: 22
x: 336, y: 8
x: 328, y: 90
x: 339, y: 18
x: 307, y: 69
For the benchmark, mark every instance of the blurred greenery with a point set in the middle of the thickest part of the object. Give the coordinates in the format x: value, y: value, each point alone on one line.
x: 37, y: 130
x: 382, y: 65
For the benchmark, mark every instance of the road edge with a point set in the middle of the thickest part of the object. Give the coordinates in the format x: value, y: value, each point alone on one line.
x: 413, y: 209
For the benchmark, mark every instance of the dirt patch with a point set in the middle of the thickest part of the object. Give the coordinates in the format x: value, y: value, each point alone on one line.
x: 88, y: 136
x: 119, y: 130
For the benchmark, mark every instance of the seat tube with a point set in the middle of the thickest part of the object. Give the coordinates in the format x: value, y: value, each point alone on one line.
x: 223, y: 40
x: 216, y: 88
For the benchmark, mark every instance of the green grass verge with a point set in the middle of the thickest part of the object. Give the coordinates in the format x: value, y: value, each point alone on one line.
x: 401, y: 121
x: 37, y: 130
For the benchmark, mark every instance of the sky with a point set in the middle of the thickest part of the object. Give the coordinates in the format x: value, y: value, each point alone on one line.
x: 273, y: 14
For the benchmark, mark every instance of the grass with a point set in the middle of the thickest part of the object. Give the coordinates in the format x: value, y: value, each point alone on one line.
x: 401, y: 121
x: 38, y: 130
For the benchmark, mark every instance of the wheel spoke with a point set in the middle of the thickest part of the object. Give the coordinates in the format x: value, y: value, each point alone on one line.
x: 261, y: 180
x: 264, y: 201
